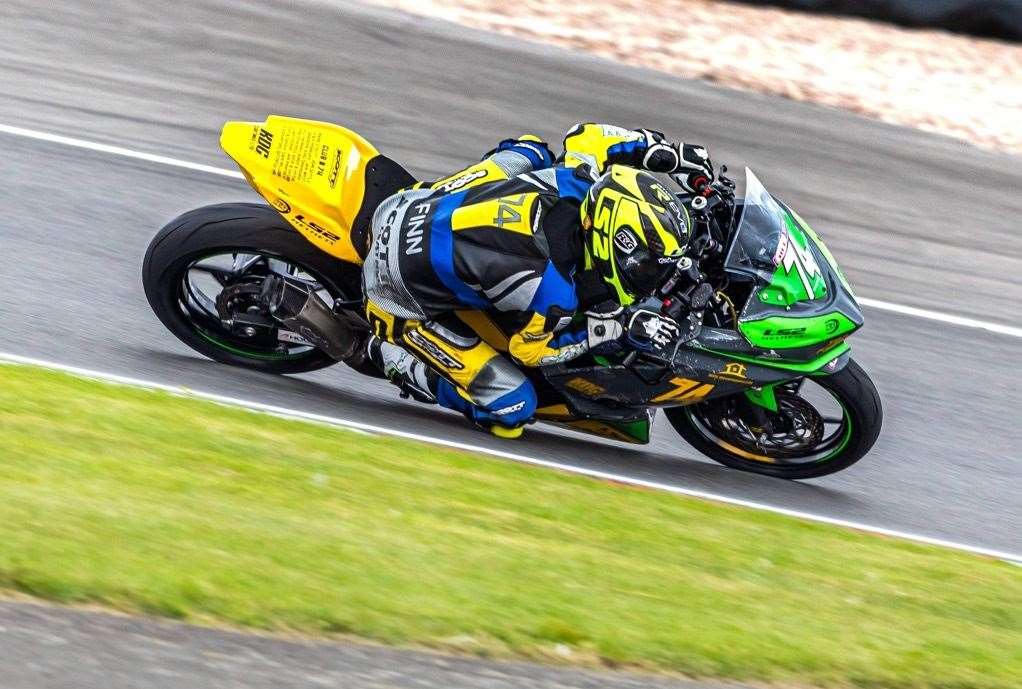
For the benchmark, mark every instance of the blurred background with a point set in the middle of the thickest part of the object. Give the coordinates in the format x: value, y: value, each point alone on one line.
x: 892, y: 126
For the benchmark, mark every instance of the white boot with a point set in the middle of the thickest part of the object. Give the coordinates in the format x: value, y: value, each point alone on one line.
x: 403, y: 370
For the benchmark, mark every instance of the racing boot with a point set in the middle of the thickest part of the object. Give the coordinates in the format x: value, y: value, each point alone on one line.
x: 415, y: 379
x: 421, y: 383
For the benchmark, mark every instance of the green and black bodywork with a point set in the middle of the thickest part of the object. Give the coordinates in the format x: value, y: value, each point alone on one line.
x: 780, y: 315
x: 763, y: 306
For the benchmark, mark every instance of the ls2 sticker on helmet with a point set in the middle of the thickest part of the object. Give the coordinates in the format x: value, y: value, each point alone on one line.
x: 625, y: 241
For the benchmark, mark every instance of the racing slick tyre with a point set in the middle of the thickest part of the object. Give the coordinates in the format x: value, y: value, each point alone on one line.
x: 710, y: 427
x: 230, y: 248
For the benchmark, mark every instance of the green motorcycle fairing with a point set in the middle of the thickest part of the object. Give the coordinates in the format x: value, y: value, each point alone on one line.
x: 801, y: 305
x: 793, y: 324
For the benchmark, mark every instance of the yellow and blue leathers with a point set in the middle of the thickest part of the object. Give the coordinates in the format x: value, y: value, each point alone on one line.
x: 502, y: 235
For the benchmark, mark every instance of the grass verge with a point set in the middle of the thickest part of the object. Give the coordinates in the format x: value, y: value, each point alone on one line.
x: 143, y: 501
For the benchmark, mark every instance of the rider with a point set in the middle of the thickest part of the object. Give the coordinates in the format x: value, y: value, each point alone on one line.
x: 539, y: 240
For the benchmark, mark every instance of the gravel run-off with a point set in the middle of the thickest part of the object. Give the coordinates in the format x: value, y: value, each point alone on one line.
x: 960, y: 86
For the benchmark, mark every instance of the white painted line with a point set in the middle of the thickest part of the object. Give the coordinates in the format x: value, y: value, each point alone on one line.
x: 117, y: 151
x: 942, y: 317
x: 998, y: 328
x: 283, y: 412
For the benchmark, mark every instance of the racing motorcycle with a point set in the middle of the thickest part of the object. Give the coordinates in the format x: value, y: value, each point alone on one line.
x: 761, y: 379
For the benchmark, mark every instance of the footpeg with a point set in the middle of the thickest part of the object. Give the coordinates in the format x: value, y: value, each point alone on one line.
x: 298, y: 308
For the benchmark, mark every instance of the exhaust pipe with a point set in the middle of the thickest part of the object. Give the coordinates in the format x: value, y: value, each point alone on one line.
x: 299, y: 309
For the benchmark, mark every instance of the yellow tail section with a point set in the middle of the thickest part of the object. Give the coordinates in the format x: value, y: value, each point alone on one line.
x: 313, y: 173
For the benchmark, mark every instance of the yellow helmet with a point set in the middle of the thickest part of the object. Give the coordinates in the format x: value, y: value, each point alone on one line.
x: 636, y: 231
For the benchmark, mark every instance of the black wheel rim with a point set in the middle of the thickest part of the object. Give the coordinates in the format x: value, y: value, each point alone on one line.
x: 253, y: 334
x: 804, y: 435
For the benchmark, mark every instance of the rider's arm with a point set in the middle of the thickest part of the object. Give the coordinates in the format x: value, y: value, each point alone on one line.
x: 547, y: 336
x: 511, y: 157
x: 600, y: 145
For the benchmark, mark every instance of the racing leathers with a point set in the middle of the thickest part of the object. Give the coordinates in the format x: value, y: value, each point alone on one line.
x: 503, y: 235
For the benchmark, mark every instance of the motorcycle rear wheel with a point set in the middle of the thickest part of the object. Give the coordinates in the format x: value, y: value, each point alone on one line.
x: 860, y: 426
x: 246, y: 229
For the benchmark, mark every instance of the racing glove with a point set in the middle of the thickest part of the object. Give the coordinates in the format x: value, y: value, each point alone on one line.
x: 604, y: 329
x: 689, y: 164
x: 641, y: 327
x: 646, y: 329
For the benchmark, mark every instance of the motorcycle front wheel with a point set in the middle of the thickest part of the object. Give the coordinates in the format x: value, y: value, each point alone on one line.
x: 807, y: 437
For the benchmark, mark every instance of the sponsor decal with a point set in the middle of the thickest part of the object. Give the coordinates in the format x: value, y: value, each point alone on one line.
x: 462, y: 180
x: 662, y: 194
x: 434, y: 351
x: 625, y: 241
x: 381, y: 238
x: 733, y: 372
x: 413, y: 228
x: 679, y: 216
x: 509, y: 410
x: 626, y: 134
x: 784, y: 333
x: 668, y: 201
x: 793, y: 257
x: 321, y: 164
x: 318, y: 230
x: 782, y: 248
x: 292, y: 337
x: 263, y: 143
x: 282, y: 205
x: 335, y: 169
x: 586, y: 387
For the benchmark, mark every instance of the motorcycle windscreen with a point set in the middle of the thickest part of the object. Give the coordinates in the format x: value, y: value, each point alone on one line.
x: 800, y: 298
x: 771, y: 246
x: 312, y: 172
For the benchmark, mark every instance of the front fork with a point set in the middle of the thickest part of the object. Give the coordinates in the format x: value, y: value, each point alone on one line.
x: 759, y: 409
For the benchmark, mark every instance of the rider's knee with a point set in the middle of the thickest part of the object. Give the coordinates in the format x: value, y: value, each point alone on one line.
x: 515, y: 407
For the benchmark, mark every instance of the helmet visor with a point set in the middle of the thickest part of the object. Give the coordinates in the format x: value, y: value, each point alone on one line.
x: 643, y: 272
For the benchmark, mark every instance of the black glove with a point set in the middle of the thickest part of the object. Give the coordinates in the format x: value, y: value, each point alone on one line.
x: 646, y: 329
x: 695, y: 170
x: 688, y: 163
x: 641, y: 326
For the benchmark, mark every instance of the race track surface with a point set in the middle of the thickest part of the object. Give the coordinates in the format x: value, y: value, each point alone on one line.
x: 914, y: 219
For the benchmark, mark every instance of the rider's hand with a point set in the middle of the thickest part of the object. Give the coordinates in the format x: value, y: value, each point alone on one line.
x: 646, y: 329
x: 604, y: 328
x: 688, y: 163
x: 695, y: 170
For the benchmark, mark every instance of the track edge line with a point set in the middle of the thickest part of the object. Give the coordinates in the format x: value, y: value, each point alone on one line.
x: 357, y: 426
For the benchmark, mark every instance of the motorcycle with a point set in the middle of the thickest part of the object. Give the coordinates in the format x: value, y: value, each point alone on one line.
x: 761, y: 379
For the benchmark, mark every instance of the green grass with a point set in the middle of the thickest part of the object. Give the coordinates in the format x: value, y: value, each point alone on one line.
x: 143, y: 501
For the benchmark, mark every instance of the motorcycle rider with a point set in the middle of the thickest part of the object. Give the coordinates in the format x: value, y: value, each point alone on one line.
x: 535, y: 239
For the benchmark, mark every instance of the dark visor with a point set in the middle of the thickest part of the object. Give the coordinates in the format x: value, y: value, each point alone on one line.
x: 643, y: 272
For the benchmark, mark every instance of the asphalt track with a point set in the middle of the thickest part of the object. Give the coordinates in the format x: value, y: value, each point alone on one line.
x: 915, y: 219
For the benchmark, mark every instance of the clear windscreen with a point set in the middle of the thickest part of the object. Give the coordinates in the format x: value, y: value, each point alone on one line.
x: 756, y: 246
